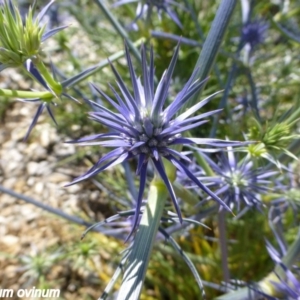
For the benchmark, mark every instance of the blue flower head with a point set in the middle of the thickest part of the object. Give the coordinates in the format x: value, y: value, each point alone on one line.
x: 145, y: 128
x: 254, y: 33
x: 238, y: 182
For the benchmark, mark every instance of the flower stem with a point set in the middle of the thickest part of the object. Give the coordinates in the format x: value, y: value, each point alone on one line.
x: 24, y: 94
x: 55, y: 86
x: 203, y: 164
x: 143, y: 242
x: 221, y: 221
x: 223, y: 245
x: 185, y: 194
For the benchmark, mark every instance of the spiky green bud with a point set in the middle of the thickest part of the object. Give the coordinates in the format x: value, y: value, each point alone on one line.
x: 18, y: 41
x: 21, y: 39
x: 274, y: 138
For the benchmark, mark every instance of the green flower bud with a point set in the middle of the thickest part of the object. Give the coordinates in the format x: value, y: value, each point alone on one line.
x: 21, y: 40
x: 274, y: 138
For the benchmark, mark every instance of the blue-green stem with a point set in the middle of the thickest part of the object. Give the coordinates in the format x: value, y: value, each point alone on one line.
x: 143, y: 242
x: 119, y: 28
x: 203, y: 67
x: 201, y: 35
x: 213, y: 41
x: 46, y: 207
x: 212, y: 45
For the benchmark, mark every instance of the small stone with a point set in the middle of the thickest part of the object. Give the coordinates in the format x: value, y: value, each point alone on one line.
x: 58, y: 178
x: 20, y: 186
x: 30, y: 181
x: 39, y: 188
x: 36, y: 152
x: 9, y: 183
x: 32, y: 168
x: 10, y: 271
x: 10, y: 240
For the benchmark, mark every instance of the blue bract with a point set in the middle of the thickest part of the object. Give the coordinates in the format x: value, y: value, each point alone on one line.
x: 144, y: 129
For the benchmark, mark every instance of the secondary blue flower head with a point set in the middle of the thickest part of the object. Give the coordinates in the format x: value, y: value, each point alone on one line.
x: 145, y: 129
x: 254, y: 33
x: 238, y: 181
x: 145, y: 7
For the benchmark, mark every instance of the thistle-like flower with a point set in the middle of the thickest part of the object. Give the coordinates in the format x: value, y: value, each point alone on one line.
x: 21, y: 41
x: 238, y: 182
x: 142, y: 128
x: 145, y: 7
x: 253, y: 33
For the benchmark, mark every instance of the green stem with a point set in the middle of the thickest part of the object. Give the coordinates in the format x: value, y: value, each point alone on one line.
x: 55, y: 86
x: 185, y: 194
x: 25, y: 94
x: 204, y: 164
x: 119, y: 28
x: 141, y: 249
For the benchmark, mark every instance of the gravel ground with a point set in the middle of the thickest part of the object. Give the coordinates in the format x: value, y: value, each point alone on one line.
x: 30, y: 168
x: 35, y: 169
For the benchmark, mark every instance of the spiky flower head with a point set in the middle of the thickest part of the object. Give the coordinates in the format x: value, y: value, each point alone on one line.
x: 20, y: 40
x: 144, y: 129
x: 145, y: 8
x: 253, y: 33
x: 238, y: 181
